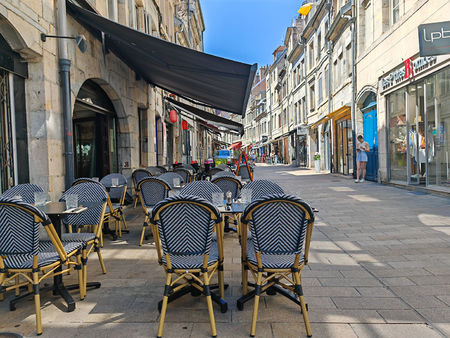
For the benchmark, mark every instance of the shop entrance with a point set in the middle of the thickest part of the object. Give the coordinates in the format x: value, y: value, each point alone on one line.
x: 419, y: 137
x: 94, y: 125
x: 344, y: 163
x: 370, y: 125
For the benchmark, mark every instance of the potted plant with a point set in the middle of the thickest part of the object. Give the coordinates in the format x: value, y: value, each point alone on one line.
x: 316, y: 158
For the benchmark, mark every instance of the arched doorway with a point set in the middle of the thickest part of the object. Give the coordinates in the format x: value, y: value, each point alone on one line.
x: 14, y: 169
x: 95, y: 132
x: 370, y: 124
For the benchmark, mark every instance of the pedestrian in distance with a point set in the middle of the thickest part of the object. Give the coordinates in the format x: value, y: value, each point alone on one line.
x: 362, y: 148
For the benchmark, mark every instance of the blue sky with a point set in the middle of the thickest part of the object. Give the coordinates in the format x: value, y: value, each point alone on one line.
x: 247, y: 30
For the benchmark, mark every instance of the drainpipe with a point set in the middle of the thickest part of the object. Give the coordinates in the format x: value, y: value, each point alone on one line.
x: 331, y: 145
x: 64, y: 71
x: 353, y: 103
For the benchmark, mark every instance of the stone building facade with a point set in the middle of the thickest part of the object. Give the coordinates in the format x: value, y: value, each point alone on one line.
x: 120, y: 121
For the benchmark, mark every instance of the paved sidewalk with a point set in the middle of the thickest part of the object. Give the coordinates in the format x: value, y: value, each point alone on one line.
x: 379, y: 267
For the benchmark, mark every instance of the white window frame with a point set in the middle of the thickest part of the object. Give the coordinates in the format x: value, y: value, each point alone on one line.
x: 115, y: 10
x: 391, y: 11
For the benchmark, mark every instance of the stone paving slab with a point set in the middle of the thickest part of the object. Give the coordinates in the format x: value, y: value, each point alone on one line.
x: 379, y: 267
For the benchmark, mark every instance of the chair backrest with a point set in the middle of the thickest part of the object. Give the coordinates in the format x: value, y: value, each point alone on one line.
x: 261, y: 188
x: 156, y: 171
x: 19, y: 227
x: 213, y: 171
x: 115, y: 194
x: 183, y: 172
x: 138, y: 175
x: 187, y: 166
x: 169, y: 176
x: 224, y: 166
x: 228, y: 183
x: 202, y: 189
x: 163, y: 169
x: 223, y: 174
x: 278, y: 224
x: 26, y: 191
x: 185, y: 225
x: 152, y: 190
x: 243, y: 172
x: 87, y: 192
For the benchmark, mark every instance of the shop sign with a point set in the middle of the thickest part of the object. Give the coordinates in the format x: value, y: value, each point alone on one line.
x: 409, y: 69
x: 434, y: 38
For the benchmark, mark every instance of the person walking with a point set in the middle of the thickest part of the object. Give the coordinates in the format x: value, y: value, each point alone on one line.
x: 362, y: 148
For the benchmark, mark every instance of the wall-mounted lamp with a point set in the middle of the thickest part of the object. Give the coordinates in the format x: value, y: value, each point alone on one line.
x: 80, y: 40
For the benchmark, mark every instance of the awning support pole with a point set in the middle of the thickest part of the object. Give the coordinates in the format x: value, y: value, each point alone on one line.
x: 64, y: 71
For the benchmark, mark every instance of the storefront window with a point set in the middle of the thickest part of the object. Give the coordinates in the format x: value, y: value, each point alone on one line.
x: 416, y: 134
x: 438, y: 124
x: 397, y: 135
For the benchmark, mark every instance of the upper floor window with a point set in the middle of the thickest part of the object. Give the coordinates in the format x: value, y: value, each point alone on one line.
x: 395, y: 11
x: 312, y: 98
x: 319, y: 83
x: 319, y: 44
x: 311, y: 54
x: 113, y: 10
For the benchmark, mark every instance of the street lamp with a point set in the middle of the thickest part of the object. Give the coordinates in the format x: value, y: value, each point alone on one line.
x: 80, y: 40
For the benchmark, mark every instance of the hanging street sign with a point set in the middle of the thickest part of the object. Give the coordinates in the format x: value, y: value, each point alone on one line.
x: 434, y: 38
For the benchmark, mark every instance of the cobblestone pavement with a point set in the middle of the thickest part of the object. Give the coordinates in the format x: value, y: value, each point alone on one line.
x: 379, y: 267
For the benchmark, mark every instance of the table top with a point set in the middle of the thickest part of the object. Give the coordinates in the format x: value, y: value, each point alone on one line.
x: 59, y: 208
x: 236, y: 208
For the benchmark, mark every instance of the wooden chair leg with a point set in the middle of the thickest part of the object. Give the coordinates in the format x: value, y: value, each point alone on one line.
x: 2, y: 279
x: 210, y: 306
x: 135, y: 201
x: 164, y: 305
x: 142, y: 234
x: 79, y: 268
x: 37, y: 303
x: 122, y: 215
x: 84, y: 269
x: 100, y: 258
x: 255, y: 307
x: 297, y: 280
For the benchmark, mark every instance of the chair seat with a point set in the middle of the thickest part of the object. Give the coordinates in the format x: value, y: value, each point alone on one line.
x: 193, y: 261
x: 79, y: 237
x: 271, y: 261
x: 47, y: 255
x: 149, y: 210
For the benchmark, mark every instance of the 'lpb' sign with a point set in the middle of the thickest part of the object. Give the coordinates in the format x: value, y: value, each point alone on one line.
x: 434, y: 38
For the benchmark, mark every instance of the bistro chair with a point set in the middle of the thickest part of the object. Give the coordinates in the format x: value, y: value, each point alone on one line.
x: 185, y: 173
x: 203, y: 189
x: 163, y: 169
x: 211, y: 172
x: 136, y: 176
x: 117, y: 197
x: 182, y: 227
x: 152, y: 190
x: 169, y: 176
x: 90, y: 220
x: 223, y: 174
x: 26, y: 191
x: 228, y: 183
x: 21, y: 254
x: 156, y: 171
x: 281, y: 228
x: 261, y: 188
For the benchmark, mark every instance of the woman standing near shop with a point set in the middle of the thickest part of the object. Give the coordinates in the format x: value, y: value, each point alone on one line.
x: 361, y: 158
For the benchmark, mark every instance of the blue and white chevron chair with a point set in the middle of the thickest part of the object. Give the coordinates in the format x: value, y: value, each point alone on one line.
x: 182, y: 228
x: 151, y: 190
x: 136, y: 176
x: 90, y: 220
x: 26, y: 191
x: 169, y: 176
x: 223, y: 173
x: 261, y: 188
x: 228, y: 183
x: 212, y: 172
x: 21, y: 254
x: 117, y: 198
x: 185, y: 173
x: 281, y: 227
x: 156, y: 171
x: 225, y: 167
x: 203, y: 189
